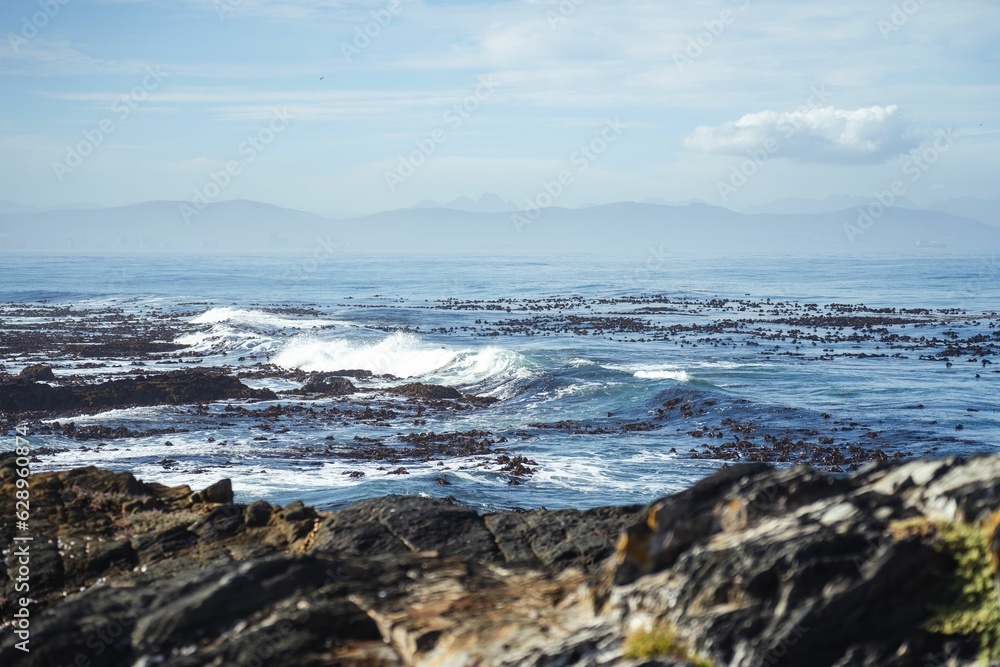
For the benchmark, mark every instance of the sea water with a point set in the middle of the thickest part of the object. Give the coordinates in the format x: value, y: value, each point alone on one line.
x: 416, y: 318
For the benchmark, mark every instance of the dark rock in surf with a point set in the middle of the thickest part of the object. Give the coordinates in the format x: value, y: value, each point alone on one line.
x: 328, y: 384
x: 37, y: 373
x: 425, y: 391
x: 177, y: 388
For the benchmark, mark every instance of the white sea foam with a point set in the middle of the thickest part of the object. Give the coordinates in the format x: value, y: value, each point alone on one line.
x: 491, y: 370
x: 257, y: 319
x: 240, y: 330
x: 223, y: 338
x: 400, y: 354
x: 676, y: 375
x: 654, y: 372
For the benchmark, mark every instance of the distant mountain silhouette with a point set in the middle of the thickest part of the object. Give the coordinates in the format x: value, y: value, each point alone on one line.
x: 984, y: 210
x: 625, y: 228
x: 796, y: 205
x: 487, y: 203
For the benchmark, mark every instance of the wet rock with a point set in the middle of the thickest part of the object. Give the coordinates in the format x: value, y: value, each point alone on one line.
x: 425, y: 391
x: 177, y: 388
x: 37, y: 373
x: 328, y: 385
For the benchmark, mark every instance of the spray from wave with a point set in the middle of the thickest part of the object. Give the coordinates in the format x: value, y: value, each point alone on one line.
x: 402, y: 355
x: 243, y: 331
x: 490, y: 370
x: 257, y: 319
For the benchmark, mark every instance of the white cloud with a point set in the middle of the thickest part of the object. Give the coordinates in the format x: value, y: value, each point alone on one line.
x: 868, y: 135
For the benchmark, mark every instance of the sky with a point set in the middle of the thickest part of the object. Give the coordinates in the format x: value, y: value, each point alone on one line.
x: 356, y: 107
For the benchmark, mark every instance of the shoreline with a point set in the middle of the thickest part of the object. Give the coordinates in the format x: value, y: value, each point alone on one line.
x: 750, y: 565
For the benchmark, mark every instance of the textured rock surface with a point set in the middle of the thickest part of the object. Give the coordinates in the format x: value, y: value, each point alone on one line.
x: 25, y: 394
x: 752, y: 566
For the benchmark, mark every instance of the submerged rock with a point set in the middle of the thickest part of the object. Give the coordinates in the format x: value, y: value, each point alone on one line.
x: 751, y: 566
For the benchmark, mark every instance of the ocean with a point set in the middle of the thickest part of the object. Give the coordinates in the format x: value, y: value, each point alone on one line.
x: 617, y: 381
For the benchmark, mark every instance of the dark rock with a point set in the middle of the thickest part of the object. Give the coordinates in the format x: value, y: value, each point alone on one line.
x: 257, y: 514
x: 177, y: 388
x: 220, y: 492
x: 425, y: 391
x: 328, y: 385
x: 357, y: 374
x: 750, y: 566
x: 37, y: 373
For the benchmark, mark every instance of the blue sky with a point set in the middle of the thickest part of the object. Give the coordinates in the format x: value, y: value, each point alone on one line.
x: 116, y: 102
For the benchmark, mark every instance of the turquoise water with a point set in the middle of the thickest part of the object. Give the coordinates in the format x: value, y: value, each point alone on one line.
x: 552, y: 357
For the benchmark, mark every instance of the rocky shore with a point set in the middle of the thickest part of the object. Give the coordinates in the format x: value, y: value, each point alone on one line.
x: 894, y: 565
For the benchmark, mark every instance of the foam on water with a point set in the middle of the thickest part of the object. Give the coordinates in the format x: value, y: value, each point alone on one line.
x: 242, y: 330
x: 653, y: 372
x: 257, y: 319
x: 492, y: 371
x: 677, y: 376
x: 400, y: 354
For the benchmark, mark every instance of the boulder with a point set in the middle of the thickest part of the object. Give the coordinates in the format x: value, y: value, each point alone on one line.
x: 329, y: 385
x: 37, y: 373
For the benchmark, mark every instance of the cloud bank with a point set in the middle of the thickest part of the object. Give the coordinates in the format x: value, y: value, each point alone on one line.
x: 869, y: 135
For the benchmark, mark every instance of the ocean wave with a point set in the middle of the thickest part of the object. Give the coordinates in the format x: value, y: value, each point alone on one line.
x: 221, y: 339
x: 489, y: 370
x: 244, y: 331
x: 401, y: 354
x: 492, y: 371
x: 257, y: 319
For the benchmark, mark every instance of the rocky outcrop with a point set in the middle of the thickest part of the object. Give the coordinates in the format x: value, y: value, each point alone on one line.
x: 751, y: 566
x: 425, y: 391
x: 328, y: 385
x: 26, y: 395
x: 37, y: 373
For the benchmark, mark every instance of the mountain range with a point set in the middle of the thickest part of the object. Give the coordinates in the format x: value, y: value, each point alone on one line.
x: 492, y: 225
